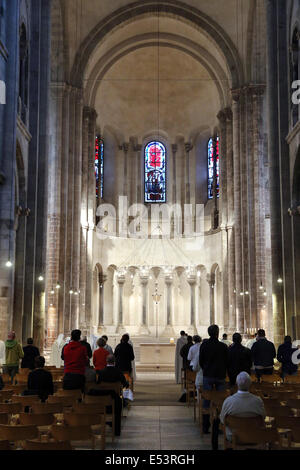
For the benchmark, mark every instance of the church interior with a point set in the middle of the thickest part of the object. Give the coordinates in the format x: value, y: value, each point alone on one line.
x: 149, y: 172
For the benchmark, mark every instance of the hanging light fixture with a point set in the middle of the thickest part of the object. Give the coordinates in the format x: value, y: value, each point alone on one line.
x: 71, y: 291
x: 8, y: 264
x: 279, y: 280
x: 57, y: 285
x: 40, y: 278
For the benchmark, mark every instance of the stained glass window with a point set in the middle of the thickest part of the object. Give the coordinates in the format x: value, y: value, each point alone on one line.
x: 211, y: 159
x: 155, y: 172
x: 99, y: 166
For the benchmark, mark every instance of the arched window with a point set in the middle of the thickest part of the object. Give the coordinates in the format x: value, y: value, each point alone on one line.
x: 295, y: 72
x: 99, y: 166
x: 23, y: 74
x: 155, y: 172
x: 213, y: 166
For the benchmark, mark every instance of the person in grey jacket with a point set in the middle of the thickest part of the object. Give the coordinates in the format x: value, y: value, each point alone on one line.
x: 243, y: 403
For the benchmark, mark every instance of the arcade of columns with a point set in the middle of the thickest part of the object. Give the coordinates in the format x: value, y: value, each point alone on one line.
x: 242, y: 216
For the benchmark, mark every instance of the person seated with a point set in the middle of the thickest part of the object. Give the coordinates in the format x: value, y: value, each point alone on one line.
x: 242, y: 404
x: 40, y: 381
x: 100, y: 355
x: 90, y: 374
x: 30, y: 353
x: 111, y: 373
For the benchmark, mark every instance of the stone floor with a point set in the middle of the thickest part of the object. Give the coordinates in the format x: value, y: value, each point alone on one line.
x: 160, y: 427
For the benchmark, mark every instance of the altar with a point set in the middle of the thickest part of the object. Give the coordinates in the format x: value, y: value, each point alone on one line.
x: 157, y: 356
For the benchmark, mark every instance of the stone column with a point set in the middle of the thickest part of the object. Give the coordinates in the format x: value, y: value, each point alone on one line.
x: 101, y: 283
x: 169, y: 331
x: 274, y: 9
x: 144, y: 283
x: 192, y: 283
x: 237, y: 211
x: 188, y: 147
x: 125, y: 148
x: 121, y: 282
x: 174, y: 151
x: 211, y: 282
x: 139, y: 198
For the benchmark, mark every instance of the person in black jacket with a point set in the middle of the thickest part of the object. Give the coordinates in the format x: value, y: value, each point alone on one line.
x: 30, y: 353
x: 111, y: 373
x: 40, y: 381
x: 184, y: 351
x: 124, y: 355
x: 89, y: 352
x: 213, y: 359
x: 284, y: 355
x: 239, y: 359
x: 263, y: 354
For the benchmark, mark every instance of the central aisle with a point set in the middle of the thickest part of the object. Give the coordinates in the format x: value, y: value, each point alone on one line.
x: 163, y: 423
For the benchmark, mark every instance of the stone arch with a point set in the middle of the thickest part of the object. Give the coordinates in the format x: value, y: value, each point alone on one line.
x: 174, y: 41
x: 172, y: 8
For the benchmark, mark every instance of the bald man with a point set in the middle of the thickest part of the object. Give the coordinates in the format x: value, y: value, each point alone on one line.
x: 242, y: 404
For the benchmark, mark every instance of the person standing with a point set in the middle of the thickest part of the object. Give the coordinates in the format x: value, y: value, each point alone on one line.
x: 75, y: 360
x: 284, y: 355
x: 124, y: 355
x: 100, y: 355
x: 213, y: 359
x: 184, y: 351
x: 263, y: 354
x: 13, y: 354
x: 30, y: 353
x: 225, y: 340
x: 87, y: 345
x: 178, y: 359
x: 107, y: 346
x: 239, y: 359
x: 40, y: 381
x: 193, y: 357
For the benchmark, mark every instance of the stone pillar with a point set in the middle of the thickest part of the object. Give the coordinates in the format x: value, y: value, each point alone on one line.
x: 144, y: 283
x: 211, y: 282
x: 237, y: 211
x: 192, y: 283
x: 88, y: 214
x: 278, y: 105
x: 101, y: 283
x: 121, y: 282
x: 139, y: 198
x: 59, y: 96
x: 125, y: 148
x: 188, y: 147
x: 169, y: 331
x: 174, y: 151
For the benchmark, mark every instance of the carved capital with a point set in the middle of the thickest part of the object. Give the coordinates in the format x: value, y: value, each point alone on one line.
x: 125, y: 147
x: 188, y: 147
x: 137, y: 148
x: 236, y: 94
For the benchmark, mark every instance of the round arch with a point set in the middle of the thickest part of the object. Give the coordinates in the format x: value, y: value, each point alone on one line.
x: 172, y: 8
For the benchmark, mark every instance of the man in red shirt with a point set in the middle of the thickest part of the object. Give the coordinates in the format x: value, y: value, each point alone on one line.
x: 100, y: 355
x: 75, y: 357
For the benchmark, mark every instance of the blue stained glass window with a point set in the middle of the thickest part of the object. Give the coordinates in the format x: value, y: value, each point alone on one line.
x: 155, y: 172
x: 211, y: 159
x: 99, y: 166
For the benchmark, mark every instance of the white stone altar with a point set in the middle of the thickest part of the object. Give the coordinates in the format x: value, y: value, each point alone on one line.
x: 157, y: 356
